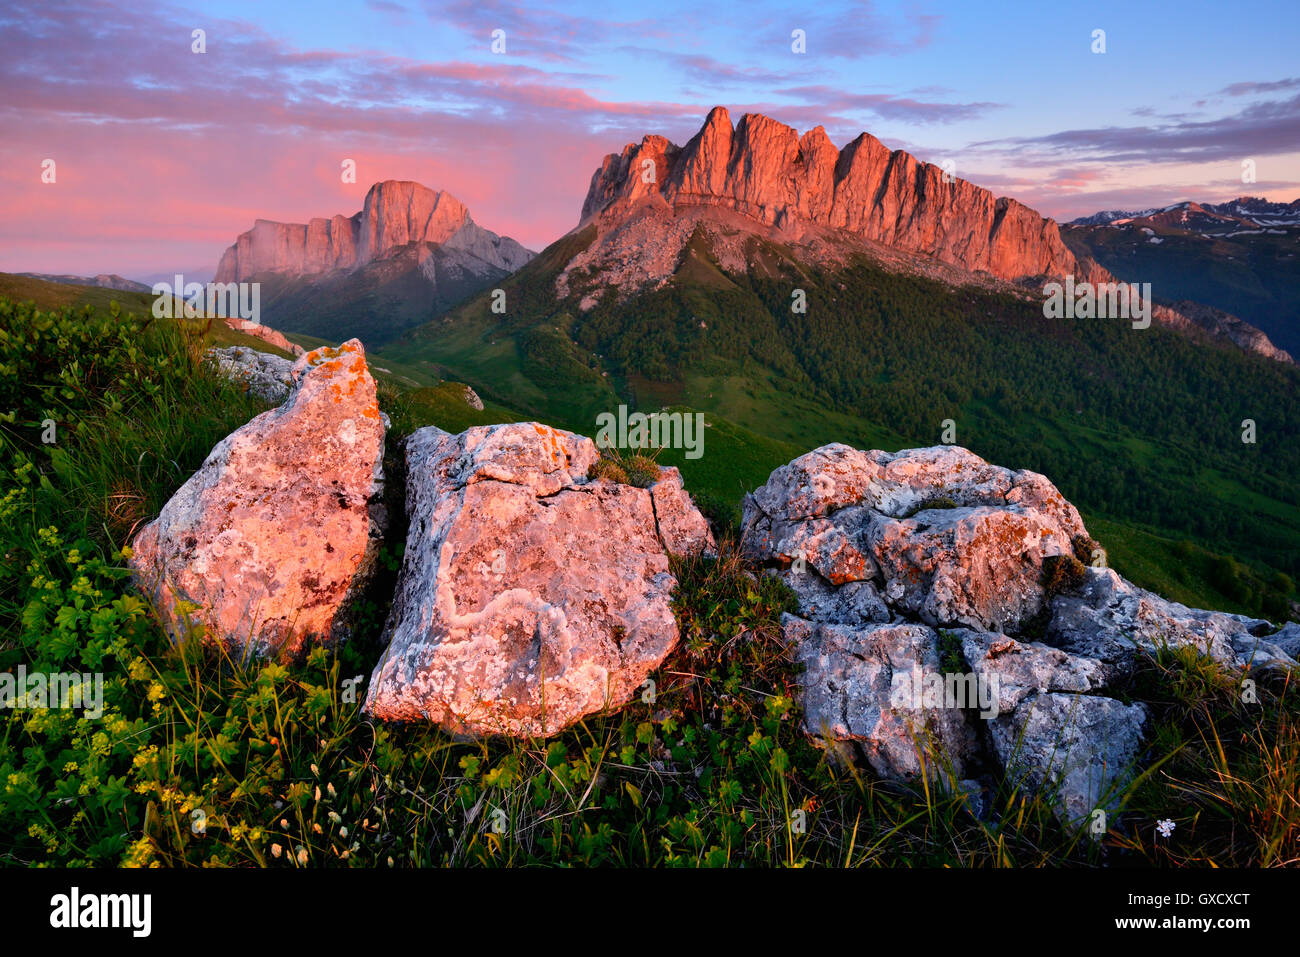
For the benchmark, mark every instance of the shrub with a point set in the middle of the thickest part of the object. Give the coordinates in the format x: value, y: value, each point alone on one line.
x: 1062, y: 573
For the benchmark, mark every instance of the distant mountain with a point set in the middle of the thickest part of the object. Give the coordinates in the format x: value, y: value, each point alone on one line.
x: 409, y: 254
x: 1207, y: 219
x: 102, y: 281
x: 1107, y: 216
x: 1241, y: 257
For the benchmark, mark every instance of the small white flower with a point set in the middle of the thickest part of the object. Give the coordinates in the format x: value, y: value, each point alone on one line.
x: 1165, y: 827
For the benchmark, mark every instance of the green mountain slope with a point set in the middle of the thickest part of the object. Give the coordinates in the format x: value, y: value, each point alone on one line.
x: 1142, y: 429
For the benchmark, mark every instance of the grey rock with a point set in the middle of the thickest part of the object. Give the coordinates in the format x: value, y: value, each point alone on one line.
x: 1017, y: 670
x: 267, y: 376
x: 1080, y: 748
x: 849, y: 691
x: 1114, y: 621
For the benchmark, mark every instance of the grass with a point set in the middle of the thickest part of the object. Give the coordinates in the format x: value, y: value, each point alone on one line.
x: 204, y: 760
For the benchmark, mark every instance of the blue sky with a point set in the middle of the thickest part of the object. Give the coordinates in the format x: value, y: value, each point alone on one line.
x: 166, y: 155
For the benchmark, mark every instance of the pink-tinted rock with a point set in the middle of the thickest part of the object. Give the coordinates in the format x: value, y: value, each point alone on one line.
x: 395, y: 214
x: 683, y: 530
x: 264, y: 545
x: 529, y: 596
x: 764, y: 170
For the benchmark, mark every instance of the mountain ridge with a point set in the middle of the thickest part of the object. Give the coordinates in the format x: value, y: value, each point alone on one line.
x: 764, y: 179
x: 767, y: 171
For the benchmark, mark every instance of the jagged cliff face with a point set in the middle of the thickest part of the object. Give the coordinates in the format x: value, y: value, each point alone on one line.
x: 762, y: 178
x: 766, y: 171
x: 395, y: 213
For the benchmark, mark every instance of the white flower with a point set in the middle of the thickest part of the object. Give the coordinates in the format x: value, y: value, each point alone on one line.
x: 1165, y: 827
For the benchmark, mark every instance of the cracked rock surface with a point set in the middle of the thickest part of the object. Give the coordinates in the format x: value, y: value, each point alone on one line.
x: 924, y: 569
x: 529, y: 595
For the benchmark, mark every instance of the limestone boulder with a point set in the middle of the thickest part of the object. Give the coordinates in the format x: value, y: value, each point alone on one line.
x: 1079, y: 749
x: 1112, y: 620
x: 530, y: 596
x: 267, y: 376
x: 265, y: 544
x: 930, y: 563
x: 946, y: 537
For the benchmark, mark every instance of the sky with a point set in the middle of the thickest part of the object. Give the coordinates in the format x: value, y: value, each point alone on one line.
x: 163, y: 155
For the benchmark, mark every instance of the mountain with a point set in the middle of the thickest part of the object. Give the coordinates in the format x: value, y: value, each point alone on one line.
x: 763, y: 179
x: 102, y: 281
x: 810, y: 193
x: 409, y: 254
x: 1241, y: 257
x: 1108, y: 216
x: 1206, y: 219
x: 681, y: 284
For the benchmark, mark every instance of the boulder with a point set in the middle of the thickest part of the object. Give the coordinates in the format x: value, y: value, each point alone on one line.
x: 1015, y: 670
x: 267, y: 376
x: 948, y: 538
x: 530, y: 596
x: 472, y: 399
x: 682, y: 529
x: 932, y: 561
x: 264, y: 545
x: 254, y: 328
x: 1048, y: 727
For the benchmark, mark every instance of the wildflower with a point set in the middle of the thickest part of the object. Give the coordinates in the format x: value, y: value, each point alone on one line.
x: 1165, y: 827
x: 276, y: 850
x: 302, y: 855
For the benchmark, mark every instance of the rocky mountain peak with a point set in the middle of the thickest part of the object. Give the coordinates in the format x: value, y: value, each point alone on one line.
x: 766, y: 171
x: 397, y: 212
x: 394, y: 214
